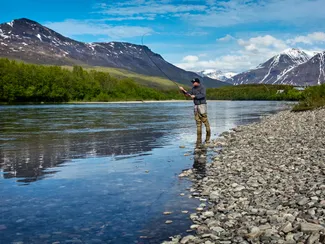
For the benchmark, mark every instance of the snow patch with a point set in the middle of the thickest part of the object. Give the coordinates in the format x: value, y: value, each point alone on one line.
x: 3, y: 35
x: 11, y: 24
x: 216, y: 74
x: 4, y: 44
x: 296, y: 55
x: 321, y: 68
x: 39, y: 37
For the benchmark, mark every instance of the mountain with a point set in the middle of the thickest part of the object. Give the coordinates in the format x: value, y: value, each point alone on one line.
x: 216, y: 74
x: 30, y: 41
x: 308, y: 73
x: 273, y: 70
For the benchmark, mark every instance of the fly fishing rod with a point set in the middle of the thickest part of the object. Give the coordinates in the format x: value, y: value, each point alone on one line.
x: 185, y: 93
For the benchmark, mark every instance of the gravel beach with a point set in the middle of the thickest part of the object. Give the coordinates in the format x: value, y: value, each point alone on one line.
x: 266, y: 184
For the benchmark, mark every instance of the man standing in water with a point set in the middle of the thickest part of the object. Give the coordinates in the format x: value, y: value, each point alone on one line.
x: 198, y: 94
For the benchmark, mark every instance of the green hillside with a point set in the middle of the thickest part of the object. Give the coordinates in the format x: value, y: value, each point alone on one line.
x: 22, y: 82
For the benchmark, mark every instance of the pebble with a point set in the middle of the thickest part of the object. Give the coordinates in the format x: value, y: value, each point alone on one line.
x: 184, y: 211
x: 208, y: 214
x: 286, y: 228
x: 309, y: 227
x: 168, y: 222
x: 187, y: 239
x: 266, y: 185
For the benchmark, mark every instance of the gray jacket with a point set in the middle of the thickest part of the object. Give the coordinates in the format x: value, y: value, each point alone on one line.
x: 200, y: 93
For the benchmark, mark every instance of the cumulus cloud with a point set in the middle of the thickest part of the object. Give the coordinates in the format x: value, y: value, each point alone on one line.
x: 255, y: 44
x: 226, y: 38
x: 190, y: 59
x: 312, y: 38
x: 73, y: 27
x: 224, y: 63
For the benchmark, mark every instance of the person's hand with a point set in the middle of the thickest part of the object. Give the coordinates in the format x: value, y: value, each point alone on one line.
x: 181, y: 88
x: 192, y: 96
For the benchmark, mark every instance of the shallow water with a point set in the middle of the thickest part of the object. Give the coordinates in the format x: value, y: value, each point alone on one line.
x: 103, y: 173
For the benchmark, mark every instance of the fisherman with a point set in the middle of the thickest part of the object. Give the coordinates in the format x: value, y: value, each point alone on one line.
x: 198, y: 94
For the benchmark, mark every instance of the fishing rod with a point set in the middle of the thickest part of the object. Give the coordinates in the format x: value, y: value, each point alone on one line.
x: 185, y: 93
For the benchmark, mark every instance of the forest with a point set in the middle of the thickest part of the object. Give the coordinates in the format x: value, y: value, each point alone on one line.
x: 21, y: 82
x: 29, y: 83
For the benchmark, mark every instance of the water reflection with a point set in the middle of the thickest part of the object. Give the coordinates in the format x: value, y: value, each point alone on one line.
x: 34, y: 139
x: 30, y: 162
x: 200, y: 160
x: 113, y: 169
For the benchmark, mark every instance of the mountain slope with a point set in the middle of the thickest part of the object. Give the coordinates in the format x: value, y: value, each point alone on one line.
x: 28, y: 40
x: 216, y: 74
x: 272, y: 70
x: 311, y: 72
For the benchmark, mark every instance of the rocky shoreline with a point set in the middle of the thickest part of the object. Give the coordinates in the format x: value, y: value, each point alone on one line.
x: 265, y: 185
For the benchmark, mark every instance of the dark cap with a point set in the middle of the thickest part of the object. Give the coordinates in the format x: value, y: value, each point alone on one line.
x: 195, y: 80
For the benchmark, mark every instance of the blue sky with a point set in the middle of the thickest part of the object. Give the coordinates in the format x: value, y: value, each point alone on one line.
x: 228, y: 35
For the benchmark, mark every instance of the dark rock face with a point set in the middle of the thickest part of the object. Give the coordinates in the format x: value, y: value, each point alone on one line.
x: 30, y: 41
x: 274, y: 70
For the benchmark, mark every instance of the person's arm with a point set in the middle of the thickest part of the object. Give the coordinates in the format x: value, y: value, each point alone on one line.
x: 201, y: 94
x: 185, y: 92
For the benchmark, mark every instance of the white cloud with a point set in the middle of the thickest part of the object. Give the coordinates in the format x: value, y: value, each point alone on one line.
x: 226, y: 38
x: 224, y: 63
x: 312, y: 38
x: 190, y: 59
x: 234, y: 12
x: 72, y: 27
x: 256, y: 44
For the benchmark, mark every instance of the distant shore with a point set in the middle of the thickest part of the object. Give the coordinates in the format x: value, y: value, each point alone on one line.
x: 266, y: 184
x: 149, y: 101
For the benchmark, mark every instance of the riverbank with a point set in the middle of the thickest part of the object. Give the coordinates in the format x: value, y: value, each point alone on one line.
x: 266, y: 184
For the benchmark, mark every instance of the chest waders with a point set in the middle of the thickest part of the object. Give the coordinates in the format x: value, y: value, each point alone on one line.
x: 201, y: 116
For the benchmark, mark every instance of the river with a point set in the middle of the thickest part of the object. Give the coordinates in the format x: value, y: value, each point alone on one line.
x: 103, y: 173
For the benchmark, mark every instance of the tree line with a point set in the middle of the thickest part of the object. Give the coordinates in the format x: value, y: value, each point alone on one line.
x: 21, y: 82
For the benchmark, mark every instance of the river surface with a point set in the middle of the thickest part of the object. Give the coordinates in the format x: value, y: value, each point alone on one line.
x: 103, y: 173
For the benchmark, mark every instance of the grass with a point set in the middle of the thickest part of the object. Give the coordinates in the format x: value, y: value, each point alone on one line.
x: 149, y: 81
x: 313, y: 98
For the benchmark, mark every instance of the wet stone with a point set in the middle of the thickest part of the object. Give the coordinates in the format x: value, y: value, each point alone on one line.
x: 3, y: 227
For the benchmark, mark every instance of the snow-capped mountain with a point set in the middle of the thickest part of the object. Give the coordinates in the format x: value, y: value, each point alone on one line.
x: 308, y: 73
x: 216, y: 74
x: 30, y: 41
x: 273, y: 70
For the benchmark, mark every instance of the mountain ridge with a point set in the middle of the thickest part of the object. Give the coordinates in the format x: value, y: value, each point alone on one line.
x: 30, y: 41
x: 216, y: 74
x: 273, y: 69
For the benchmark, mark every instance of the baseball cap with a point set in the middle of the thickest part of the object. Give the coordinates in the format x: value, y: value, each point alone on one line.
x: 195, y: 80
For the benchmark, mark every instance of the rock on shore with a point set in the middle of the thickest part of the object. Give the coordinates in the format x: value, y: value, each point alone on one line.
x: 266, y: 185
